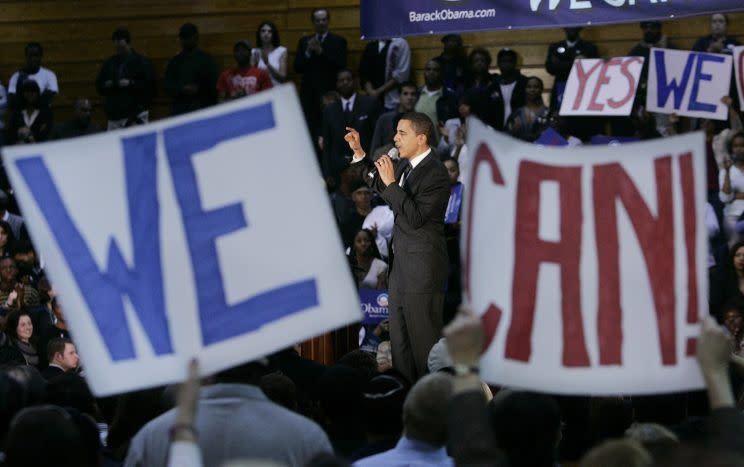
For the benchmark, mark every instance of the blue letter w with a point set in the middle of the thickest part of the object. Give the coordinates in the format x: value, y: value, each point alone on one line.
x: 664, y: 88
x: 103, y: 291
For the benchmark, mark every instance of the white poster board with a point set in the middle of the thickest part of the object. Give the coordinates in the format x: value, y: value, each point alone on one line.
x: 588, y: 265
x: 739, y: 72
x: 206, y: 235
x: 689, y: 84
x: 602, y: 87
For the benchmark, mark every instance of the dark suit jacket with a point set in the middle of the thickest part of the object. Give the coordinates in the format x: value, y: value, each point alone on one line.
x: 51, y: 371
x: 518, y: 99
x: 336, y: 151
x: 419, y: 262
x: 318, y: 74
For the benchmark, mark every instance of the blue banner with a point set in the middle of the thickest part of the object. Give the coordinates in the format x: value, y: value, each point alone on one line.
x: 385, y: 18
x: 374, y: 305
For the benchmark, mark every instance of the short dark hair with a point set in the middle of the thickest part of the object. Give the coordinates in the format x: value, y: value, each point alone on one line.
x: 453, y: 160
x: 506, y: 52
x: 121, y: 33
x: 650, y: 23
x: 315, y: 10
x: 24, y: 246
x: 421, y: 124
x: 536, y: 78
x: 730, y: 142
x: 188, y: 30
x: 274, y: 34
x: 34, y: 45
x: 242, y: 43
x: 407, y: 84
x: 55, y: 346
x: 344, y: 70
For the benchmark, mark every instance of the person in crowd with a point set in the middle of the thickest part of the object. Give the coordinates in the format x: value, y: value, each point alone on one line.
x: 7, y: 240
x: 13, y: 293
x: 417, y: 192
x: 453, y: 294
x: 352, y: 111
x: 29, y: 270
x: 561, y: 56
x: 244, y: 79
x: 340, y: 396
x: 20, y: 332
x: 731, y: 182
x: 369, y: 270
x: 382, y: 138
x: 717, y: 42
x: 436, y: 101
x: 32, y: 70
x: 132, y: 411
x: 454, y: 61
x: 32, y: 122
x: 16, y: 222
x: 617, y: 452
x: 382, y: 401
x: 80, y: 124
x: 319, y: 58
x: 529, y: 121
x: 3, y: 110
x: 127, y: 83
x: 425, y: 426
x: 732, y: 315
x: 478, y: 78
x: 191, y: 75
x: 63, y: 358
x: 269, y: 55
x: 280, y: 389
x: 222, y: 422
x: 652, y: 37
x: 361, y: 196
x: 384, y: 65
x: 380, y: 221
x: 508, y: 90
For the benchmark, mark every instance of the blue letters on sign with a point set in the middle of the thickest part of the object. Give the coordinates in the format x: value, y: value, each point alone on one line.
x: 665, y: 88
x: 143, y: 283
x: 219, y: 321
x: 101, y: 290
x: 700, y: 76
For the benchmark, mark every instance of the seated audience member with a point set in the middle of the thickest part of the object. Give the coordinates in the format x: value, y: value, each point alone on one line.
x: 732, y: 318
x: 71, y: 390
x: 191, y: 75
x: 29, y: 270
x: 529, y: 121
x: 3, y: 110
x: 340, y: 395
x: 360, y: 360
x: 561, y: 56
x: 269, y: 55
x: 424, y: 426
x: 618, y: 453
x: 225, y: 427
x: 438, y: 103
x: 13, y: 293
x: 33, y: 71
x: 382, y: 402
x: 67, y: 439
x: 7, y: 240
x: 384, y: 65
x: 245, y: 78
x: 382, y: 137
x: 361, y: 197
x: 62, y: 357
x: 15, y: 221
x: 731, y: 182
x: 20, y: 332
x: 127, y: 83
x: 80, y: 124
x: 453, y: 60
x: 508, y: 90
x: 32, y: 122
x: 352, y: 111
x: 369, y: 270
x: 380, y: 221
x: 717, y: 42
x: 280, y: 389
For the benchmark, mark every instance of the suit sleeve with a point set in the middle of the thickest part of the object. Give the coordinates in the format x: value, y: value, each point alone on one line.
x: 418, y: 211
x: 366, y: 166
x: 300, y: 62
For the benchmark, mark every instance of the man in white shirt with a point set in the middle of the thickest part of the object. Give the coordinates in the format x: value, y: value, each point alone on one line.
x: 32, y: 69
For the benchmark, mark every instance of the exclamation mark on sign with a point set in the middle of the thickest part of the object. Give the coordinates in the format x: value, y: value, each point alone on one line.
x: 687, y: 179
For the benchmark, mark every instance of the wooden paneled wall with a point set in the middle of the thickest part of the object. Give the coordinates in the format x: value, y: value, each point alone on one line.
x: 76, y: 35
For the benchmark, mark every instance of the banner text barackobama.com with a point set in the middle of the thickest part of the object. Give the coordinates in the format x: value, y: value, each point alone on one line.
x: 447, y: 15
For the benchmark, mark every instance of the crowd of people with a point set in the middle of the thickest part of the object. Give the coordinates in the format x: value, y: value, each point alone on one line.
x: 362, y: 410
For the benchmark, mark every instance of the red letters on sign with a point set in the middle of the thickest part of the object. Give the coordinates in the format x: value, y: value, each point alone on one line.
x: 631, y: 83
x: 687, y: 177
x: 531, y: 251
x: 601, y: 81
x: 583, y: 77
x: 656, y: 238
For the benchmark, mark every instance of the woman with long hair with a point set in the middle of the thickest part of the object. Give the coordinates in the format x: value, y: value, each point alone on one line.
x: 268, y: 54
x: 7, y: 240
x: 529, y: 121
x: 369, y: 270
x: 731, y: 180
x: 20, y: 332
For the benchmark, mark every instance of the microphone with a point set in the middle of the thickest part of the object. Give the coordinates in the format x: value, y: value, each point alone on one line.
x: 393, y: 154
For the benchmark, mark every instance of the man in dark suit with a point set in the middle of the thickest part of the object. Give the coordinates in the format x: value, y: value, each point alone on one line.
x: 351, y: 110
x: 508, y: 90
x: 319, y: 58
x: 417, y: 192
x: 63, y: 358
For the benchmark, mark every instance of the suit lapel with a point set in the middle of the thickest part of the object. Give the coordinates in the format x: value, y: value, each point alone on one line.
x: 416, y: 173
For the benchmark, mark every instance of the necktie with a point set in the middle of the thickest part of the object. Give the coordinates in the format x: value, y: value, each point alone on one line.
x: 347, y: 113
x: 404, y: 175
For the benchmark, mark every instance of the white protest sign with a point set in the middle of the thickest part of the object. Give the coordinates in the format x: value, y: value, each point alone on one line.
x: 689, y: 84
x: 602, y: 87
x: 588, y: 266
x: 739, y: 72
x: 204, y: 235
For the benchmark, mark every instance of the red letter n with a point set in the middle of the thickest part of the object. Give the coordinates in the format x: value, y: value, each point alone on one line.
x: 656, y: 238
x: 531, y: 251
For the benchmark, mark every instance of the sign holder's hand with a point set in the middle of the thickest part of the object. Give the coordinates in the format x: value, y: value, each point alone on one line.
x: 714, y: 348
x: 186, y: 404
